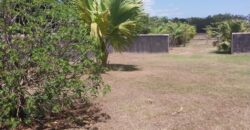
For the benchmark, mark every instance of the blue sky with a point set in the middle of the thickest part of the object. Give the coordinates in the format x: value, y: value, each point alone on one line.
x: 195, y: 8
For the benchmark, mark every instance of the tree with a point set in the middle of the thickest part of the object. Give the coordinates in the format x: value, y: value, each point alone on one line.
x: 110, y: 21
x: 248, y: 17
x: 43, y: 58
x: 202, y: 23
x: 143, y: 24
x: 223, y: 32
x: 180, y: 33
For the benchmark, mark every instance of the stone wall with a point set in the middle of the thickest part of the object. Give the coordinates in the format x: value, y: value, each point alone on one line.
x: 149, y: 43
x: 240, y: 43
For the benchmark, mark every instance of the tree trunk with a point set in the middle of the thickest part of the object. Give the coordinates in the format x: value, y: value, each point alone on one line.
x: 104, y: 55
x: 105, y: 58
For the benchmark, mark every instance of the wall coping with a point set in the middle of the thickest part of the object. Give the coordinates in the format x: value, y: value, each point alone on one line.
x: 240, y: 33
x: 148, y: 35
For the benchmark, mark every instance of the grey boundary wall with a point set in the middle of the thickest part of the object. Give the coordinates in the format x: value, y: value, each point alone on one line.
x: 148, y: 43
x: 240, y: 43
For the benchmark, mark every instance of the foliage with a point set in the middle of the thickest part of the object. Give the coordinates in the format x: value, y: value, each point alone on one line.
x: 143, y: 26
x: 199, y: 23
x: 157, y: 24
x: 224, y: 47
x: 45, y: 64
x: 110, y: 21
x: 223, y: 32
x: 180, y: 33
x: 202, y: 23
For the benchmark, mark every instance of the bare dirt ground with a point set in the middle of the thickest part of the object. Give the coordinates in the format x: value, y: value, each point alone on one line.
x: 191, y: 88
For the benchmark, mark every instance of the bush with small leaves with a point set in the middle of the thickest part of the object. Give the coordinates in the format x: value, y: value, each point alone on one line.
x: 45, y: 61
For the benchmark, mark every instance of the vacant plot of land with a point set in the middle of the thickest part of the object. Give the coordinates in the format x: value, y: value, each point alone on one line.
x: 190, y: 88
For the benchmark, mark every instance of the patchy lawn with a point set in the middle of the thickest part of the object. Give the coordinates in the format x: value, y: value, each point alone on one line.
x: 190, y: 88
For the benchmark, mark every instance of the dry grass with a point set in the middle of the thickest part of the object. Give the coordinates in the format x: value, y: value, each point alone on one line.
x: 190, y: 88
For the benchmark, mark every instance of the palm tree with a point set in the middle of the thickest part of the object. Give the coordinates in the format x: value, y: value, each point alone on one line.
x: 223, y: 32
x: 180, y: 33
x: 111, y: 21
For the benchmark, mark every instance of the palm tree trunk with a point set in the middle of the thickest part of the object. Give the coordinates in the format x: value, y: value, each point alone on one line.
x: 105, y: 54
x: 105, y: 58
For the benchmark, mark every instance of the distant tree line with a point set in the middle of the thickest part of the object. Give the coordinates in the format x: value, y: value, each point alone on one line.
x: 153, y: 23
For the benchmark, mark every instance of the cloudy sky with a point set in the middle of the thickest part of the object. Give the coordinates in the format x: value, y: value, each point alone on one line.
x: 195, y: 8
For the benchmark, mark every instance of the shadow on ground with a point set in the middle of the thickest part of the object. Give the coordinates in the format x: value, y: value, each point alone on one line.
x: 122, y: 67
x: 81, y: 116
x: 221, y: 52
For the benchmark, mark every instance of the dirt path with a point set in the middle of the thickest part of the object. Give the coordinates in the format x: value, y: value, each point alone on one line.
x: 190, y: 88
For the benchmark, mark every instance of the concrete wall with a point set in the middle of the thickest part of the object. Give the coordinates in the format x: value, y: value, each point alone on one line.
x: 149, y: 43
x: 240, y: 43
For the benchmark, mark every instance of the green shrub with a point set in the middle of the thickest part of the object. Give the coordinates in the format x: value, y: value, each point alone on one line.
x: 223, y: 32
x: 180, y: 33
x: 224, y: 47
x: 45, y: 65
